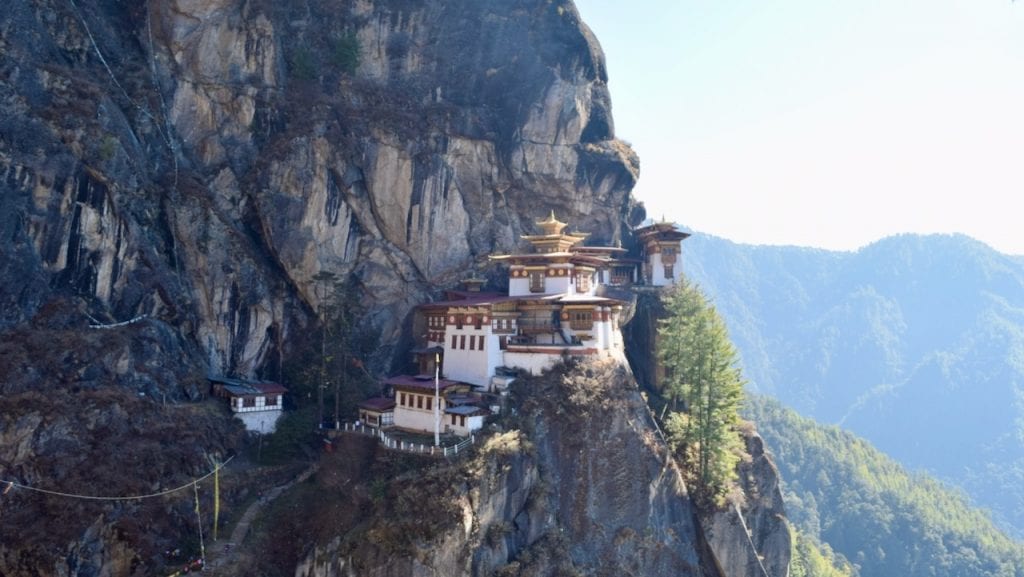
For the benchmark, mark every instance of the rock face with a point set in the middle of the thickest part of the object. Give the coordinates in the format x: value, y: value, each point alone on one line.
x: 752, y: 540
x: 199, y: 161
x: 192, y: 165
x: 580, y: 484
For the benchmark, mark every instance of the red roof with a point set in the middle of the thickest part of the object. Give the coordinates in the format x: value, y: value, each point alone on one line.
x: 419, y: 383
x: 480, y: 299
x: 379, y: 404
x: 270, y: 388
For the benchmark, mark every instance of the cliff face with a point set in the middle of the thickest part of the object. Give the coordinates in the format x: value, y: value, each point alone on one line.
x: 191, y: 165
x: 580, y: 483
x: 199, y: 161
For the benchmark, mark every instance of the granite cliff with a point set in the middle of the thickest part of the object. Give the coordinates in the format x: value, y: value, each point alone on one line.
x: 199, y: 162
x: 579, y: 483
x: 173, y: 175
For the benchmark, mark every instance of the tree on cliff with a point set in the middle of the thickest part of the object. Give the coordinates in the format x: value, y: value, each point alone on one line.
x: 704, y: 389
x: 329, y: 366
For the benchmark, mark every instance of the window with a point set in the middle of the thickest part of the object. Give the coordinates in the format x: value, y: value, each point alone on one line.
x: 453, y: 420
x: 536, y: 281
x: 582, y: 282
x: 462, y: 420
x: 430, y: 404
x: 401, y: 399
x: 454, y: 337
x: 419, y: 402
x: 669, y: 271
x: 581, y: 320
x: 462, y: 342
x: 249, y: 401
x: 668, y: 251
x: 272, y: 401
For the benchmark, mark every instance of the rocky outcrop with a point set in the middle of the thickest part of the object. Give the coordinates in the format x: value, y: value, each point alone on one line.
x: 748, y: 537
x: 579, y: 484
x: 199, y: 161
x: 194, y: 164
x: 752, y: 538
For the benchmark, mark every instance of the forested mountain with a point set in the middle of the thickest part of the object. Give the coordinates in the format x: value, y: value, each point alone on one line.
x: 915, y: 343
x: 885, y: 521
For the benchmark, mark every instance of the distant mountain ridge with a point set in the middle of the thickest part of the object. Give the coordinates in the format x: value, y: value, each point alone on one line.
x: 877, y: 518
x: 913, y: 342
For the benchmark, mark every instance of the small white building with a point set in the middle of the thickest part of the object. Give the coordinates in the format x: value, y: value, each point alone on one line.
x: 257, y: 404
x: 464, y: 419
x: 417, y: 396
x: 378, y: 412
x: 661, y: 244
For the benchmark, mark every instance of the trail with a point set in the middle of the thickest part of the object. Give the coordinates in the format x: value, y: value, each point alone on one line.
x: 222, y: 554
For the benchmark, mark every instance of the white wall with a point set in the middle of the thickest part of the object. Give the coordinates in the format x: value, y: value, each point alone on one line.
x: 471, y: 366
x: 474, y: 423
x: 658, y: 277
x: 558, y: 284
x: 261, y: 405
x: 518, y: 286
x: 416, y: 419
x: 534, y: 363
x: 260, y: 421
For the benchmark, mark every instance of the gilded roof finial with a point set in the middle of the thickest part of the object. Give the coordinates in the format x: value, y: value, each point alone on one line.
x: 551, y: 225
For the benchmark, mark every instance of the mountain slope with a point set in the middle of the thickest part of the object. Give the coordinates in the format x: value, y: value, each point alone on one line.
x: 914, y: 342
x: 842, y: 491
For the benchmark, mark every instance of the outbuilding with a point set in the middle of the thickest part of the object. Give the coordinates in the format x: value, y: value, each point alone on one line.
x: 259, y: 404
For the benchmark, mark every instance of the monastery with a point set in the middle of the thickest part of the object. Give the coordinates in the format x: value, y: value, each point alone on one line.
x: 564, y: 300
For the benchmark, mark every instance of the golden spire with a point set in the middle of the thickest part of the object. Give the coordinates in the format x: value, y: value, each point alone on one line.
x: 551, y: 225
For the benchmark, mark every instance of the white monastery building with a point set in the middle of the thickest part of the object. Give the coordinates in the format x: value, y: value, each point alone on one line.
x: 257, y: 404
x: 564, y: 300
x: 661, y: 248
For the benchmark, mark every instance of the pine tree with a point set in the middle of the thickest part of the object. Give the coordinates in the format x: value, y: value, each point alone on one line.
x: 703, y: 387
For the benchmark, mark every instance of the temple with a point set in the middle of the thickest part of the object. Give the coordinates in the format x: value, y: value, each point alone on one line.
x: 661, y: 246
x: 564, y: 300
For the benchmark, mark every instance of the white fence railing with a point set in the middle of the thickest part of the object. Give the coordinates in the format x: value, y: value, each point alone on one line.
x: 390, y: 442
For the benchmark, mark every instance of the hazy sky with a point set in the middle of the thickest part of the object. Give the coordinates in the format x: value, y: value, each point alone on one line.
x: 822, y: 123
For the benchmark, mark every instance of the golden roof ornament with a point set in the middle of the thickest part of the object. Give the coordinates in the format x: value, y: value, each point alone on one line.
x: 551, y: 225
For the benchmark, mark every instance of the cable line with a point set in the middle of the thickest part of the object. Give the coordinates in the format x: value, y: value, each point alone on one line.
x: 10, y: 484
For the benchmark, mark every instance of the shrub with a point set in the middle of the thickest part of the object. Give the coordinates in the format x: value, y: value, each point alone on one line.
x: 302, y: 64
x: 345, y: 53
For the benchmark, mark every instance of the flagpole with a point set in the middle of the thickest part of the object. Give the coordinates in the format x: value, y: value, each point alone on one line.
x: 437, y: 399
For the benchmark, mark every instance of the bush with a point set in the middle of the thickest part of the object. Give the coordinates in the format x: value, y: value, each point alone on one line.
x: 302, y: 64
x: 345, y: 53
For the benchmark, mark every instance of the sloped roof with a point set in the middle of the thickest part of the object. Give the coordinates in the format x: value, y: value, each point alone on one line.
x: 380, y: 404
x: 467, y: 410
x: 243, y: 388
x: 419, y: 382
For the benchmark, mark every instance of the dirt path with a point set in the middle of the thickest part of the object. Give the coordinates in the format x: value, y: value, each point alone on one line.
x: 222, y: 554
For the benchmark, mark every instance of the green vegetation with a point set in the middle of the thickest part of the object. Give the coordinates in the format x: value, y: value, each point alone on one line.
x: 812, y: 559
x: 345, y: 52
x: 703, y: 388
x: 330, y: 372
x: 841, y: 491
x: 912, y: 343
x: 294, y: 430
x: 302, y: 63
x: 108, y: 147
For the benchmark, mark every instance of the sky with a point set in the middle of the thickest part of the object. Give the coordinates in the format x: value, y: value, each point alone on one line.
x: 822, y: 123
